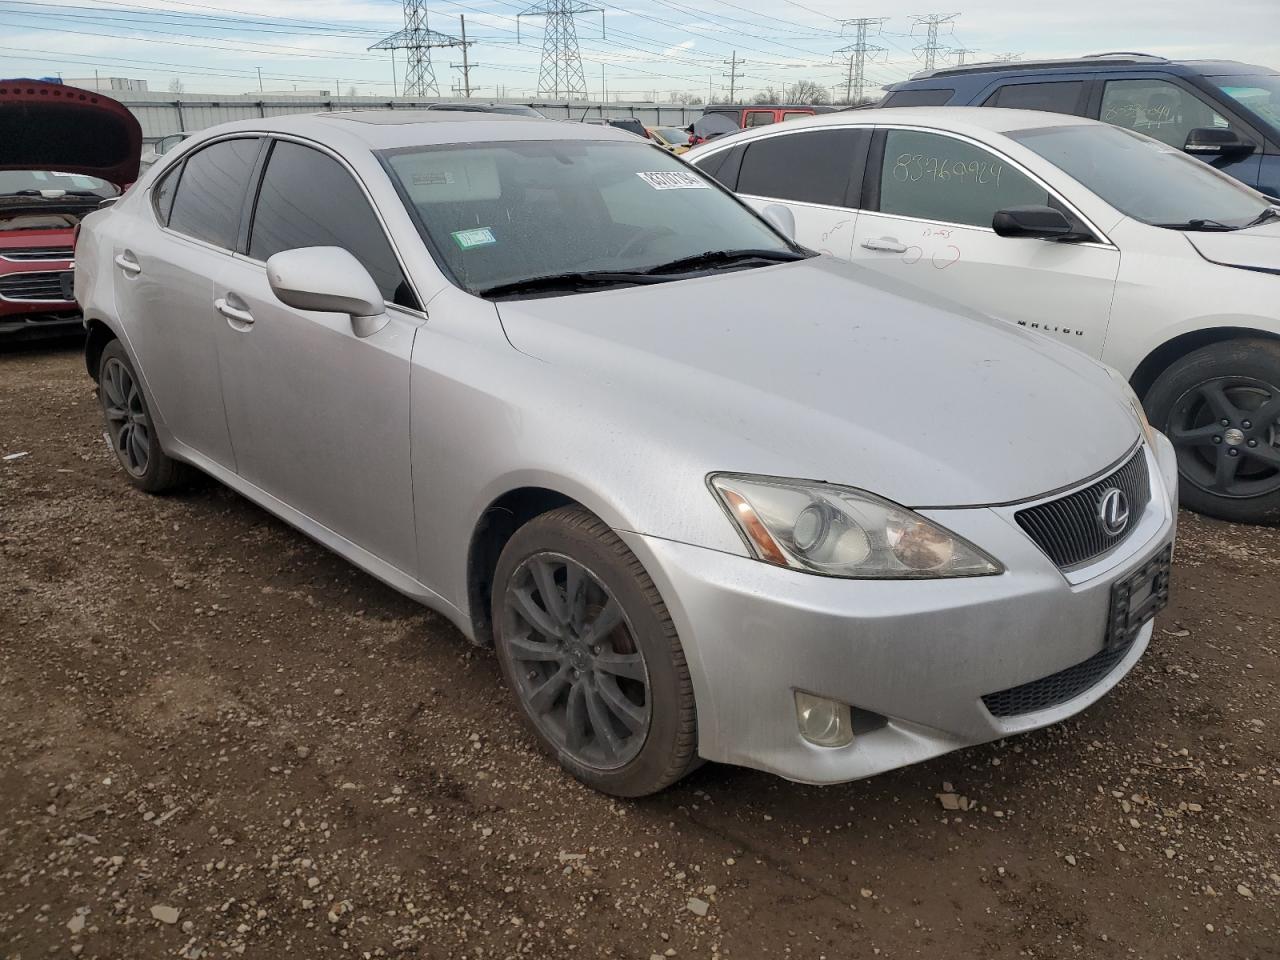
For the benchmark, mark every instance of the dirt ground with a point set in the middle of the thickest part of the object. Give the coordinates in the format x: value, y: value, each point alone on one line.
x: 217, y: 739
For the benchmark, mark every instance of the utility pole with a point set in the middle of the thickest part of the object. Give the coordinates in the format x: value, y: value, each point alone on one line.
x: 419, y: 40
x: 259, y: 69
x: 733, y: 64
x: 856, y: 55
x: 465, y: 66
x: 561, y: 69
x: 929, y: 50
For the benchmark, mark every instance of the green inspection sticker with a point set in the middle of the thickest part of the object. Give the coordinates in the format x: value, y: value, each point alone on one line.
x: 479, y: 237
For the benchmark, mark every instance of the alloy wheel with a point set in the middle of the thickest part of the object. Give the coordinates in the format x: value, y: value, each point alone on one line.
x: 1227, y: 435
x: 127, y: 425
x: 575, y: 661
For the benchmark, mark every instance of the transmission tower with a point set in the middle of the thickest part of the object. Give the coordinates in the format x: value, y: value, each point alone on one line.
x: 419, y: 41
x: 1008, y: 57
x: 961, y: 54
x: 561, y: 71
x: 857, y: 53
x: 929, y: 50
x: 733, y: 63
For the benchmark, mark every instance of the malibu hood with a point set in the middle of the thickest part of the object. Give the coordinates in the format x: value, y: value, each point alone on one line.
x: 50, y: 126
x: 821, y: 370
x: 1257, y: 248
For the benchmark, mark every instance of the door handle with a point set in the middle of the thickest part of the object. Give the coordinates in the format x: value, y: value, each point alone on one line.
x: 885, y: 244
x: 126, y: 263
x: 233, y: 313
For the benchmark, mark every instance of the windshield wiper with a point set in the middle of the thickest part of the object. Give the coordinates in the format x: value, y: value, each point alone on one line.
x: 1271, y: 213
x: 1199, y: 225
x: 717, y: 258
x: 573, y: 280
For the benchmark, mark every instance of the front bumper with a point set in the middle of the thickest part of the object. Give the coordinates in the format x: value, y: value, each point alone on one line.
x: 921, y: 653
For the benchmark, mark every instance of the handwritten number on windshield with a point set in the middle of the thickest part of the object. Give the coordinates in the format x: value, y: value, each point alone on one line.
x: 910, y: 168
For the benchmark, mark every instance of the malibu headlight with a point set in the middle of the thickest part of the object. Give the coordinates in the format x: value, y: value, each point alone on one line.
x: 1122, y: 385
x: 842, y: 532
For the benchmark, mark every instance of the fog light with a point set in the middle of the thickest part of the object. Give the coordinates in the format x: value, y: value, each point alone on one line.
x: 824, y: 722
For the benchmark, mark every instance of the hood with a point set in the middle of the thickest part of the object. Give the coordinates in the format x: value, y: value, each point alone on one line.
x: 821, y: 370
x: 1257, y: 248
x: 50, y: 126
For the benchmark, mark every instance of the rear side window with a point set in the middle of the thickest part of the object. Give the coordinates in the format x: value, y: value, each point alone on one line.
x: 163, y: 192
x: 935, y: 177
x: 810, y: 167
x: 722, y: 166
x: 918, y: 98
x: 792, y: 114
x: 308, y: 199
x: 210, y: 192
x: 1056, y: 97
x: 758, y: 118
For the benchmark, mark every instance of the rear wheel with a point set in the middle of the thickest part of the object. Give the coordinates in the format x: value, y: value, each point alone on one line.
x: 130, y: 430
x: 1220, y: 407
x: 591, y: 656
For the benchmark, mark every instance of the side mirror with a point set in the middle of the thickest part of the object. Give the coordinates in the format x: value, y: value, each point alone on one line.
x: 328, y: 280
x: 1036, y: 222
x: 1217, y: 142
x: 783, y: 220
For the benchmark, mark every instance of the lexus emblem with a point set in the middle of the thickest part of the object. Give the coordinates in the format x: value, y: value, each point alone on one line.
x: 1113, y: 512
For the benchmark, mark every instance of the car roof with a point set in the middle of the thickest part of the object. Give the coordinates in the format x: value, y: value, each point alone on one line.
x: 390, y: 129
x: 1096, y: 63
x: 971, y: 120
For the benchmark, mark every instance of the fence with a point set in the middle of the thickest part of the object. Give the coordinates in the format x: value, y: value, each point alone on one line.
x: 163, y: 114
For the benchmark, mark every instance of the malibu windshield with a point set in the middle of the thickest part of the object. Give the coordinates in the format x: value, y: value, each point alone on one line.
x: 1145, y: 179
x: 573, y: 214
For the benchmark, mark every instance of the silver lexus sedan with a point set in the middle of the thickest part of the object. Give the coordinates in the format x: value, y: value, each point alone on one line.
x: 804, y: 520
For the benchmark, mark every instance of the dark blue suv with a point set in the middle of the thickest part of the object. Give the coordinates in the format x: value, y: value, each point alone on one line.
x: 1224, y: 112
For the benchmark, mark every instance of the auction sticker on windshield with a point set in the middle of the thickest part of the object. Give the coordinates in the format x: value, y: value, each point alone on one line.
x: 673, y: 180
x: 479, y: 237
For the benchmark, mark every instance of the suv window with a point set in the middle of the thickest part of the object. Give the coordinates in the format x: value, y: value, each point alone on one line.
x: 811, y: 167
x: 308, y: 199
x: 935, y: 177
x: 918, y: 98
x: 758, y: 118
x: 1061, y: 96
x: 210, y: 192
x: 1157, y: 108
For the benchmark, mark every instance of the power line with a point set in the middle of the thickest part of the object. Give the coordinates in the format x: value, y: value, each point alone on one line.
x: 929, y: 50
x: 856, y: 54
x: 561, y: 59
x: 419, y: 40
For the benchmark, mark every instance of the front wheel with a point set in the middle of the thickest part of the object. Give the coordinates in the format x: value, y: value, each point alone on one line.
x: 1220, y: 407
x: 591, y: 656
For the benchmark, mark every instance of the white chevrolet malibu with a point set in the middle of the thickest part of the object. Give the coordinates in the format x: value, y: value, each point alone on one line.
x: 816, y: 523
x: 1117, y: 244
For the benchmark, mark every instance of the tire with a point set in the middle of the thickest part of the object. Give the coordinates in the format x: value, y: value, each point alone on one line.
x: 129, y: 427
x: 562, y: 680
x: 1220, y: 407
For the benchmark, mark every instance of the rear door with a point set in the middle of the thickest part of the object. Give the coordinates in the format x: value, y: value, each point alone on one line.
x: 816, y: 174
x: 931, y: 198
x: 319, y: 417
x: 163, y: 270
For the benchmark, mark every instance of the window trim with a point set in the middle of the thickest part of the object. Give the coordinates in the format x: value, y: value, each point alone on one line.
x: 854, y: 185
x: 182, y: 162
x: 255, y: 190
x: 874, y: 172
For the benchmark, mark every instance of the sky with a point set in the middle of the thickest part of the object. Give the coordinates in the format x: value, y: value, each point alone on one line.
x: 645, y: 49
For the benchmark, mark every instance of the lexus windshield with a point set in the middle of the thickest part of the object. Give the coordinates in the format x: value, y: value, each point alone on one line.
x: 1145, y: 179
x: 561, y: 216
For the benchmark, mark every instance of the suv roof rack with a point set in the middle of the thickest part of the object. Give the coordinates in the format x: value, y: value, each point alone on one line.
x: 1084, y: 61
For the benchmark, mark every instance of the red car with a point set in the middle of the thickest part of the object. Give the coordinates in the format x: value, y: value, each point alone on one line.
x: 63, y: 151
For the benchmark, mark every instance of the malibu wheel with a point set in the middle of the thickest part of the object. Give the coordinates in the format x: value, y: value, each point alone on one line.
x: 591, y: 656
x: 130, y: 430
x: 1220, y: 407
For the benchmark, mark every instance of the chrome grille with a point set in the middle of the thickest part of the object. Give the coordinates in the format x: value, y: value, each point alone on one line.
x: 1068, y: 529
x: 26, y: 254
x: 45, y: 286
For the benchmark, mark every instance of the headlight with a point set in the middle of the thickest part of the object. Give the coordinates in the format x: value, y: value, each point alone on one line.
x: 1147, y: 430
x: 841, y: 532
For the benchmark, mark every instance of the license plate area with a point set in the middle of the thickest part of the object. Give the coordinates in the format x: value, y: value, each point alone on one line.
x: 1137, y: 598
